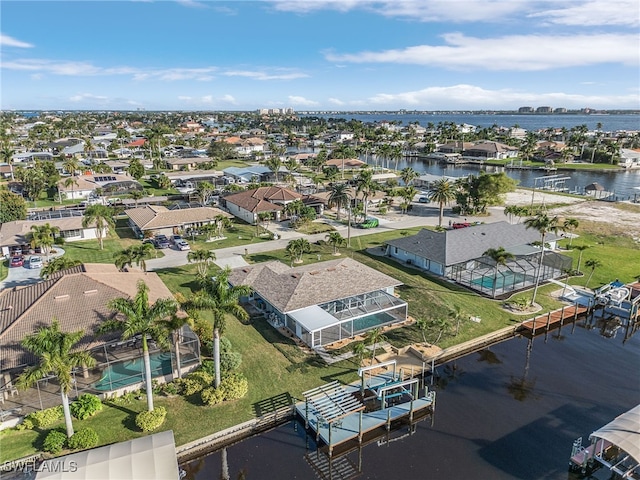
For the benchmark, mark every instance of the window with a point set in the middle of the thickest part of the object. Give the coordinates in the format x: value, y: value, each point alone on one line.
x: 71, y: 233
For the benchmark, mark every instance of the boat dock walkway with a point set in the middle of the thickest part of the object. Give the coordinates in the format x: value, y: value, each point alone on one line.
x: 555, y: 319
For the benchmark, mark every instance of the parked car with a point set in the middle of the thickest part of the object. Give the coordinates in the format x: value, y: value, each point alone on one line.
x: 35, y: 262
x: 174, y: 239
x: 423, y: 200
x: 17, y: 261
x: 161, y: 241
x: 182, y: 245
x: 461, y: 225
x: 369, y: 223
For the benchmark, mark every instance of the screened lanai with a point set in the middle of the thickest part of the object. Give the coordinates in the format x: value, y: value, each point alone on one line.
x: 344, y: 318
x: 517, y: 273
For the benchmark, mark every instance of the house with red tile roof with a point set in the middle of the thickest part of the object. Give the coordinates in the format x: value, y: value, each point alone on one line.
x: 249, y: 204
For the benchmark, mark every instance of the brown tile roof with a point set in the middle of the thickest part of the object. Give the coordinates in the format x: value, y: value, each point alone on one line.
x: 290, y: 289
x: 76, y: 297
x: 348, y: 162
x: 154, y: 217
x: 88, y: 182
x: 263, y: 199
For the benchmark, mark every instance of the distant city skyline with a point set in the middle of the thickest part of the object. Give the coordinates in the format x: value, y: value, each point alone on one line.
x: 320, y: 55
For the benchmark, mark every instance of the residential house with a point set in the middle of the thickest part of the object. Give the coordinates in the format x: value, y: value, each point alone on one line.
x: 82, y: 186
x: 17, y: 234
x: 77, y: 298
x: 247, y: 146
x: 490, y: 150
x: 186, y: 163
x: 249, y: 204
x: 458, y: 255
x: 323, y: 302
x: 153, y: 220
x: 629, y: 158
x: 249, y: 174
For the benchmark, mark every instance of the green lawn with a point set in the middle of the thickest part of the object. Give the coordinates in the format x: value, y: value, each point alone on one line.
x: 275, y: 366
x: 239, y: 234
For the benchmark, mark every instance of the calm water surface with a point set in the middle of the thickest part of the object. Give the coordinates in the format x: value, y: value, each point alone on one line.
x: 498, y: 416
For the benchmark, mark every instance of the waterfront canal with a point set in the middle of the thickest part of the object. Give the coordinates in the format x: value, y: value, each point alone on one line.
x: 500, y: 414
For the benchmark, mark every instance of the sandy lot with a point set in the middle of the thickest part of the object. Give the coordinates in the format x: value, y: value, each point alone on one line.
x: 622, y: 218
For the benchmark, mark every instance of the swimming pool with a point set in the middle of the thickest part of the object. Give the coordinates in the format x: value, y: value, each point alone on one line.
x: 508, y: 279
x: 125, y: 373
x: 371, y: 321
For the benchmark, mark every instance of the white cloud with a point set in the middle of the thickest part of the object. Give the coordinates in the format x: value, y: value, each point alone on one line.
x: 515, y: 52
x: 228, y: 99
x: 206, y: 100
x: 87, y: 96
x: 594, y: 12
x: 260, y: 75
x: 192, y: 4
x: 302, y: 102
x: 336, y: 101
x: 64, y: 68
x: 7, y: 41
x: 174, y: 74
x: 465, y: 96
x: 420, y: 10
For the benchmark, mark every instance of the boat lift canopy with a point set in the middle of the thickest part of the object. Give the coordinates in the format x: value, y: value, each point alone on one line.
x: 623, y: 432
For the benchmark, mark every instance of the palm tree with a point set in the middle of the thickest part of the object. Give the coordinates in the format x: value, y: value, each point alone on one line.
x: 298, y: 247
x: 71, y: 166
x: 336, y: 240
x: 544, y: 224
x: 139, y: 317
x: 592, y: 263
x: 359, y: 350
x: 442, y: 324
x: 374, y: 337
x: 457, y: 315
x: 274, y: 163
x: 339, y: 197
x: 570, y: 224
x: 57, y: 264
x: 7, y: 154
x: 101, y: 217
x: 423, y: 326
x: 442, y: 193
x: 222, y: 223
x: 69, y: 182
x: 366, y: 185
x: 500, y: 257
x: 54, y: 348
x: 581, y: 249
x: 202, y: 258
x: 43, y: 236
x: 408, y: 175
x: 134, y: 254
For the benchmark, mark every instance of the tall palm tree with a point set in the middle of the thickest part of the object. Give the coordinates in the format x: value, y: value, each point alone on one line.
x: 581, y: 249
x: 500, y: 257
x: 202, y: 258
x: 69, y: 182
x: 136, y: 316
x: 544, y: 224
x: 359, y: 349
x: 7, y: 154
x: 134, y: 254
x: 569, y: 225
x: 592, y: 263
x: 374, y: 337
x: 408, y: 175
x: 101, y: 217
x: 54, y: 348
x: 366, y: 185
x: 442, y: 193
x: 71, y: 166
x: 336, y: 240
x: 339, y: 197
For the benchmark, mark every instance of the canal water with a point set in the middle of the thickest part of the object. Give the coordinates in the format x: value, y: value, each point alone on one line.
x: 500, y: 414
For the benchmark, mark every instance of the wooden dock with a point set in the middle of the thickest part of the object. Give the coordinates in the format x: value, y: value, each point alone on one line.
x: 552, y: 320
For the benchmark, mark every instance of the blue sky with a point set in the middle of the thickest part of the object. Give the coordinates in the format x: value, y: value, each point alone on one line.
x: 319, y: 54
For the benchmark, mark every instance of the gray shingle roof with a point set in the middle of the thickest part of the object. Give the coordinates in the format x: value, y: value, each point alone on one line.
x: 459, y: 245
x: 290, y: 289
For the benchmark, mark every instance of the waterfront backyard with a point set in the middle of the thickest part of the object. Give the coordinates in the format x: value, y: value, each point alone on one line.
x: 274, y: 365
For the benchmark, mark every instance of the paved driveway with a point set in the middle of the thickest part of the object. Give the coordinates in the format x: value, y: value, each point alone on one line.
x: 21, y: 276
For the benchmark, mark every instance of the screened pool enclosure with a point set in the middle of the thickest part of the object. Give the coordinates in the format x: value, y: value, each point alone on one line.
x: 496, y: 280
x: 330, y: 322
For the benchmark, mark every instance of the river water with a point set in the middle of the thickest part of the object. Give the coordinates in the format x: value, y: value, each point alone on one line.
x: 500, y: 414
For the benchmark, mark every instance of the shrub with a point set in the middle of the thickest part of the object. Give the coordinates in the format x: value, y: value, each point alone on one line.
x: 54, y: 442
x: 46, y: 418
x: 26, y: 424
x: 86, y: 406
x: 212, y: 395
x: 83, y: 438
x: 171, y: 388
x: 148, y: 421
x: 195, y: 382
x: 235, y: 386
